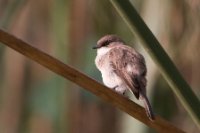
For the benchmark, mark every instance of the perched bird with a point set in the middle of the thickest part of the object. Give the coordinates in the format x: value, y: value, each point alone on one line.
x: 122, y: 68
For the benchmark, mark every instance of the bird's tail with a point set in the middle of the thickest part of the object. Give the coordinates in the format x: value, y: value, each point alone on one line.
x: 148, y: 108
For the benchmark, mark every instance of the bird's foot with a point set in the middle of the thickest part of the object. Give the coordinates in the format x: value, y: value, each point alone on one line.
x: 114, y: 88
x: 119, y: 92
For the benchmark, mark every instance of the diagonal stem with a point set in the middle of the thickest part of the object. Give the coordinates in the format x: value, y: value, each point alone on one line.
x: 119, y: 101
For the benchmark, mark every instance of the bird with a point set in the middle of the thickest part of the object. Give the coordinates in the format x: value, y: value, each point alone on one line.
x: 122, y: 68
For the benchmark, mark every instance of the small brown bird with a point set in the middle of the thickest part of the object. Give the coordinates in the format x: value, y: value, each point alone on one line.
x: 122, y: 68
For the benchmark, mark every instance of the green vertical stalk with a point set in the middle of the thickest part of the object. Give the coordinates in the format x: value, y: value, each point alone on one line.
x: 179, y: 86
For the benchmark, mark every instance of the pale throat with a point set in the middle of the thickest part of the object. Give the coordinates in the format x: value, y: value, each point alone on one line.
x: 103, y: 51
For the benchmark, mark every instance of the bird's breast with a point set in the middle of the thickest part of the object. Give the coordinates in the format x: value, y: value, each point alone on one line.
x: 102, y: 59
x: 110, y: 79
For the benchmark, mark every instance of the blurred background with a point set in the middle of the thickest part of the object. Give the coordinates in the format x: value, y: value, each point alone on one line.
x: 35, y: 100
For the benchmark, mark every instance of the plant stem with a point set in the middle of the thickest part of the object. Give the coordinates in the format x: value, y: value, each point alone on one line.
x: 179, y: 86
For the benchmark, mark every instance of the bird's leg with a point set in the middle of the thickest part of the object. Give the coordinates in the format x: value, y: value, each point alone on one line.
x: 114, y: 88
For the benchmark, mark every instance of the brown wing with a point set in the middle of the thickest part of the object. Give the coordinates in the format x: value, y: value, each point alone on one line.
x: 124, y: 57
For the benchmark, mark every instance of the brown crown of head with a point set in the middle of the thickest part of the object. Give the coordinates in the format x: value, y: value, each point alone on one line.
x: 106, y: 40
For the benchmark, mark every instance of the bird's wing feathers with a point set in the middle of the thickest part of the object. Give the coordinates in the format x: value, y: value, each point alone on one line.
x: 124, y: 62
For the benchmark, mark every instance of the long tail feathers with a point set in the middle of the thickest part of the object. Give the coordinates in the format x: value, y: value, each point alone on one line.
x: 148, y: 108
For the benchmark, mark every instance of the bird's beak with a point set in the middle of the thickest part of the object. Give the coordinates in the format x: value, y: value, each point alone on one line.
x: 95, y: 47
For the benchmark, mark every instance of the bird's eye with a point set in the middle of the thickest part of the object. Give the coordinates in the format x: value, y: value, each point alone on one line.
x: 106, y: 43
